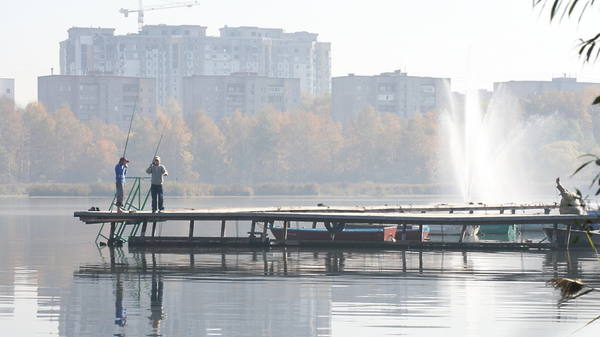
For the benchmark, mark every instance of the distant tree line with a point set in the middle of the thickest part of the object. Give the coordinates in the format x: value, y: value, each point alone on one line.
x: 303, y: 145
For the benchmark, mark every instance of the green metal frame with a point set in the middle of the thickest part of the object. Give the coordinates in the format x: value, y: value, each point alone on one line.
x: 135, y: 202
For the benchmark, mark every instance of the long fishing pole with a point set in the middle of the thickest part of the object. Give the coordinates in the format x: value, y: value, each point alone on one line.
x: 159, y: 141
x: 162, y: 133
x: 158, y: 145
x: 129, y: 131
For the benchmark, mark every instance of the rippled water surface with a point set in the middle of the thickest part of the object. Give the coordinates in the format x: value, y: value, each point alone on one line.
x: 55, y: 281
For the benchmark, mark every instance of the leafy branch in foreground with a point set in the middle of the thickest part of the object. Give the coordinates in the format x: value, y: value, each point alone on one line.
x: 596, y: 160
x: 589, y: 48
x: 570, y: 288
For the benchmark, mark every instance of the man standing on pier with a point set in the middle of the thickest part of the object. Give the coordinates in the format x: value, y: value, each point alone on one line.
x: 120, y: 173
x: 156, y: 189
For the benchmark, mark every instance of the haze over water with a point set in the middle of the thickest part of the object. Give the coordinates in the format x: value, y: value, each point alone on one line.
x: 55, y: 282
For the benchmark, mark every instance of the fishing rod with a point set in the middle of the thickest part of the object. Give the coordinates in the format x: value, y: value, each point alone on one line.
x: 162, y: 133
x: 129, y: 131
x: 158, y: 145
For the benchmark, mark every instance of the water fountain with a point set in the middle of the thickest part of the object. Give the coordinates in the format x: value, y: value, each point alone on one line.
x: 489, y: 148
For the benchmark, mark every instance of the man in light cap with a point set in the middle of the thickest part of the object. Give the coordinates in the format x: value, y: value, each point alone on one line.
x: 120, y: 173
x: 157, y: 171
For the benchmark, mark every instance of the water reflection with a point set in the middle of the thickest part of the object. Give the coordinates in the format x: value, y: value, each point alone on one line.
x: 22, y: 307
x: 156, y: 306
x: 297, y: 292
x: 54, y: 282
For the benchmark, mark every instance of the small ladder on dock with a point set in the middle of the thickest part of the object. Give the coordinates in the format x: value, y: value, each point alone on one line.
x: 133, y: 202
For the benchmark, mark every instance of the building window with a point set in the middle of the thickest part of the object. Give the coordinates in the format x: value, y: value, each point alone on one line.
x: 275, y: 90
x: 430, y: 89
x: 428, y: 101
x: 387, y: 87
x: 130, y: 87
x: 384, y: 97
x: 235, y: 88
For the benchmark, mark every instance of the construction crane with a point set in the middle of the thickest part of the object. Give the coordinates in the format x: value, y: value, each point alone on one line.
x: 140, y: 11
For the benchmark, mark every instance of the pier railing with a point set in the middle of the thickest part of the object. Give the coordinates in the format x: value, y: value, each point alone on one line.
x: 135, y: 201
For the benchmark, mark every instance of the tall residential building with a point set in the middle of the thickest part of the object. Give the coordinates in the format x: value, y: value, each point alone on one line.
x: 110, y: 99
x: 170, y: 53
x: 522, y: 89
x: 394, y: 92
x: 218, y: 95
x: 7, y: 88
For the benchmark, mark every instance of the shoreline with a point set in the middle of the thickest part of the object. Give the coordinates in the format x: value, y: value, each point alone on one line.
x: 287, y: 190
x: 177, y: 189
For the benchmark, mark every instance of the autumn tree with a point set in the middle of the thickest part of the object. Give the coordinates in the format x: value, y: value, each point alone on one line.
x: 40, y: 140
x: 240, y: 154
x: 12, y: 137
x: 207, y: 146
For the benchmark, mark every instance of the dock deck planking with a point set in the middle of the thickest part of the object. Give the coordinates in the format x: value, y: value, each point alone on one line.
x: 365, y: 215
x: 366, y: 218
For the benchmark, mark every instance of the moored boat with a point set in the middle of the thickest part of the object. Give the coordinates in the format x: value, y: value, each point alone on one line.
x: 387, y: 233
x: 413, y: 233
x: 410, y: 233
x: 577, y: 238
x: 499, y: 229
x: 471, y: 230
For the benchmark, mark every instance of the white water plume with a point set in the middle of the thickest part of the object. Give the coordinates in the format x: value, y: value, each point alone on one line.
x: 492, y: 153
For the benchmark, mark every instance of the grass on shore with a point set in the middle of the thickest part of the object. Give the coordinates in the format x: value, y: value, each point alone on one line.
x: 190, y: 190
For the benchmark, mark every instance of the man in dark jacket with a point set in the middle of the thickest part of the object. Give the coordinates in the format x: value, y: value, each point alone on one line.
x: 157, y: 171
x: 120, y: 173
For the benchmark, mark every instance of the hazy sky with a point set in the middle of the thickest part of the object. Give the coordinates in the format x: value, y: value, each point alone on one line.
x: 474, y: 42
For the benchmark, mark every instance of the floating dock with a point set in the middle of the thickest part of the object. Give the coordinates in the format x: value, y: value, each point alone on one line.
x: 141, y: 225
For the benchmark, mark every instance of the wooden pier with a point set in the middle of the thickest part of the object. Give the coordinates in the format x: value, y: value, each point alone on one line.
x: 142, y: 224
x: 471, y: 208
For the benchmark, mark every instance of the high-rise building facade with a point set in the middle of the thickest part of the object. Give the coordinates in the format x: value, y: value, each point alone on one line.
x: 523, y: 89
x: 7, y: 88
x: 170, y: 53
x: 218, y: 95
x: 394, y: 92
x: 110, y: 99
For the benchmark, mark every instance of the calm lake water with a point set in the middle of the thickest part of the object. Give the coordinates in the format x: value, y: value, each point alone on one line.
x: 55, y: 281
